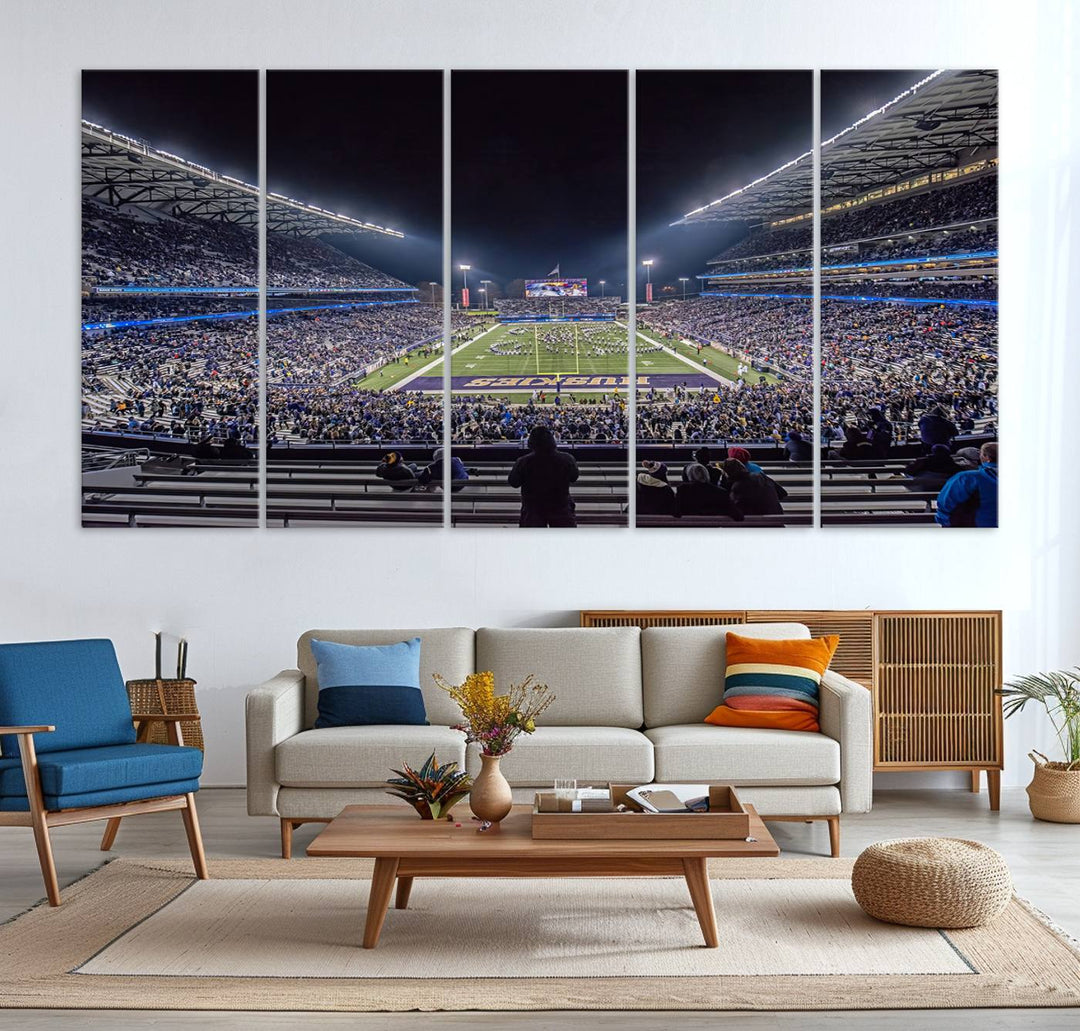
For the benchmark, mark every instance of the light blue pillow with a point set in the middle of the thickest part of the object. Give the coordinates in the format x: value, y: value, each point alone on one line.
x: 361, y: 685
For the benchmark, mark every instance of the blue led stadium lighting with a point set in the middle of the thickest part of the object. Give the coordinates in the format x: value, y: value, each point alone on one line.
x: 173, y: 320
x: 949, y: 302
x: 857, y: 264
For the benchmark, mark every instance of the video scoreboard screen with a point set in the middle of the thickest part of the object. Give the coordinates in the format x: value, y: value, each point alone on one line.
x: 557, y: 288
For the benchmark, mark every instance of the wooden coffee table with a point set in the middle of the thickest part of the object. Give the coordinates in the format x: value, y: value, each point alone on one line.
x: 404, y: 847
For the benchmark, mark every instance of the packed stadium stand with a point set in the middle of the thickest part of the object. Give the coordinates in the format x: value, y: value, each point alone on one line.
x: 556, y: 307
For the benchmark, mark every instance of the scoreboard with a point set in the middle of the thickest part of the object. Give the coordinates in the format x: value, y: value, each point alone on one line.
x: 557, y: 288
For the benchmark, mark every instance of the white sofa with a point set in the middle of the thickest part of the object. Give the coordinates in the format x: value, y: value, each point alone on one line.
x: 629, y: 707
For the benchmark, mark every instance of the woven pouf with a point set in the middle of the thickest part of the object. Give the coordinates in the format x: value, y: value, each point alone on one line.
x: 932, y: 882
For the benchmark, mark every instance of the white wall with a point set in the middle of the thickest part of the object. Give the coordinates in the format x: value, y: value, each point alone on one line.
x: 243, y: 596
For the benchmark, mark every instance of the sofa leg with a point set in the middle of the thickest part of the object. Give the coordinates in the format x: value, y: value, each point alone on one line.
x: 194, y: 836
x: 286, y: 839
x: 834, y: 836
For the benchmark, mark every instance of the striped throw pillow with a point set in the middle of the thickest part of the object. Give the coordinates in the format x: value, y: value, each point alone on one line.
x: 773, y: 684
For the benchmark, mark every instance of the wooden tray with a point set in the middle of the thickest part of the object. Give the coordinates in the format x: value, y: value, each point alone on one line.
x: 726, y: 819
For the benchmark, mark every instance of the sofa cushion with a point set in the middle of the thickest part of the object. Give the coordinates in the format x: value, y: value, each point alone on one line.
x: 585, y: 754
x: 448, y: 651
x: 743, y: 755
x: 74, y: 685
x: 362, y: 757
x: 364, y: 684
x: 683, y: 667
x: 594, y: 673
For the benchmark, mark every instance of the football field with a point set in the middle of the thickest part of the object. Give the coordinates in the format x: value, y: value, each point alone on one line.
x: 589, y: 358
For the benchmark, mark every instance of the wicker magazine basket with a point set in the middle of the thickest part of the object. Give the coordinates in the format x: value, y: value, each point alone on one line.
x: 1054, y: 791
x: 166, y: 698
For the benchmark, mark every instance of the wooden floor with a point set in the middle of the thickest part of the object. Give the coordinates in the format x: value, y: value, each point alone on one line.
x: 1043, y: 858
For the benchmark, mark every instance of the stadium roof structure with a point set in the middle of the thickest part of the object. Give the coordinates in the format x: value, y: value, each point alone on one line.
x: 120, y: 169
x: 923, y: 129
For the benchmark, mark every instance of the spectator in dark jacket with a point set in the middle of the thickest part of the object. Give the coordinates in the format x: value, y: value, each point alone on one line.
x: 932, y: 472
x: 433, y: 473
x: 798, y: 449
x: 400, y: 474
x: 703, y: 456
x: 740, y: 454
x: 655, y: 496
x: 971, y: 498
x: 544, y: 476
x: 752, y: 493
x: 879, y: 433
x: 700, y: 496
x: 936, y: 428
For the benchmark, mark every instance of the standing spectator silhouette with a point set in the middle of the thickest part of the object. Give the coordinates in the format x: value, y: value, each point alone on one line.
x: 544, y: 476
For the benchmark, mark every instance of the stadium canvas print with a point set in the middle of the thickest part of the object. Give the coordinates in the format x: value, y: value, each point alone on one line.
x: 539, y: 362
x: 909, y: 320
x: 169, y: 298
x: 354, y: 310
x: 725, y: 419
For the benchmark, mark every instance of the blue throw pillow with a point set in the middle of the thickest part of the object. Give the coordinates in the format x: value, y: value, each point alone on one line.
x: 360, y: 685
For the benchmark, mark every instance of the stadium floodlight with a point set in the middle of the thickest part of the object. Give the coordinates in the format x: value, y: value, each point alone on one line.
x: 684, y: 280
x: 603, y: 283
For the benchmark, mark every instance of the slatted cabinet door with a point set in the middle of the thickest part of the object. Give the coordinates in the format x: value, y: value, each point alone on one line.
x: 935, y: 700
x: 643, y: 619
x: 854, y: 656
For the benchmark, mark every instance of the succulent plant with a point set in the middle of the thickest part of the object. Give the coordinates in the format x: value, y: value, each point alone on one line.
x: 432, y: 790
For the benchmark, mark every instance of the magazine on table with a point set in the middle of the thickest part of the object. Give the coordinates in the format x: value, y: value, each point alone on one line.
x: 671, y: 798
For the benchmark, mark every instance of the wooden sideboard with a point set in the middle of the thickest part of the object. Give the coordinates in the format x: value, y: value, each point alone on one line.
x: 934, y: 676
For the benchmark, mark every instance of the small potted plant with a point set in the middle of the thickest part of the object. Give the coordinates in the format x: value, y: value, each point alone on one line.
x: 493, y: 722
x: 432, y: 790
x: 1054, y: 792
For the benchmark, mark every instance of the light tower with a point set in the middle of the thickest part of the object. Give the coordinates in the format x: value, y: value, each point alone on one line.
x: 484, y: 284
x: 684, y: 280
x: 603, y: 283
x: 648, y: 263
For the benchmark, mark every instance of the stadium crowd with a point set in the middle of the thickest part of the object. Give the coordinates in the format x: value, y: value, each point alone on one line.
x: 522, y: 307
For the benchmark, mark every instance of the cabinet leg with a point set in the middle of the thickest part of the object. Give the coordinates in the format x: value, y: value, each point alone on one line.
x: 975, y: 781
x: 993, y: 787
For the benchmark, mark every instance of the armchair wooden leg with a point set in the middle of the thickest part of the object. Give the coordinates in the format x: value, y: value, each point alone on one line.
x: 109, y: 836
x: 834, y: 836
x: 286, y: 839
x: 194, y: 836
x: 28, y: 755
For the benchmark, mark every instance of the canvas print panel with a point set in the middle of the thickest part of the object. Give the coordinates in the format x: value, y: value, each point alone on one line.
x: 170, y: 421
x: 540, y: 361
x: 725, y: 423
x: 354, y: 313
x: 909, y: 310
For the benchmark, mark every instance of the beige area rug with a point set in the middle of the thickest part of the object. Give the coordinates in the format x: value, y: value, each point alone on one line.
x: 274, y: 935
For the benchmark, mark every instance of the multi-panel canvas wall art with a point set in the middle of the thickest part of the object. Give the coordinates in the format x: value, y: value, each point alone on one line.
x: 170, y: 284
x: 768, y: 367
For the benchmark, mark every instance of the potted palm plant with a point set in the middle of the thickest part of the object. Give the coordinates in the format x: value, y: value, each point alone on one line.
x: 1054, y: 792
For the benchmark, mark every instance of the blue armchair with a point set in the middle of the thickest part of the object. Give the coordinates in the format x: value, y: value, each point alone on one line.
x: 68, y: 749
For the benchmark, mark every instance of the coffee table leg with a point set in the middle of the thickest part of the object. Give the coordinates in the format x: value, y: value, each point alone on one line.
x: 382, y: 885
x: 697, y: 880
x: 404, y: 887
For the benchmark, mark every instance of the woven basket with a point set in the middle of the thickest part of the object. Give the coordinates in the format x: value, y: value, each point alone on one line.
x: 166, y: 698
x: 932, y: 882
x: 1054, y: 791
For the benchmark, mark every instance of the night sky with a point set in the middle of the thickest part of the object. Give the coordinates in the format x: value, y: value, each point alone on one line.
x: 366, y: 144
x: 700, y: 135
x: 539, y: 175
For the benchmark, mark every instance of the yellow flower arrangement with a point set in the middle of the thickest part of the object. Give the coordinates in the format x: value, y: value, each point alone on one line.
x: 494, y: 721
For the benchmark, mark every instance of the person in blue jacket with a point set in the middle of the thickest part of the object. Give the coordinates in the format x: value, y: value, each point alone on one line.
x: 971, y: 498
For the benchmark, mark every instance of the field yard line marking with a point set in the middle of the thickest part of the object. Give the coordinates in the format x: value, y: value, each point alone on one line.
x: 431, y: 365
x: 694, y: 365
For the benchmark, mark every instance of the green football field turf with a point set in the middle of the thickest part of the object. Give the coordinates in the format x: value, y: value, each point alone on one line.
x: 547, y: 349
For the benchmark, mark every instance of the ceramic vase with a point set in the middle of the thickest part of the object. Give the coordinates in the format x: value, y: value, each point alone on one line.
x: 490, y: 799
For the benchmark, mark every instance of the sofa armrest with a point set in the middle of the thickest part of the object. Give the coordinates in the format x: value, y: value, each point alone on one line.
x: 274, y: 711
x: 846, y: 716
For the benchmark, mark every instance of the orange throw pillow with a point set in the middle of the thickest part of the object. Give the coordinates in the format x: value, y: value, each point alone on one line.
x: 773, y: 684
